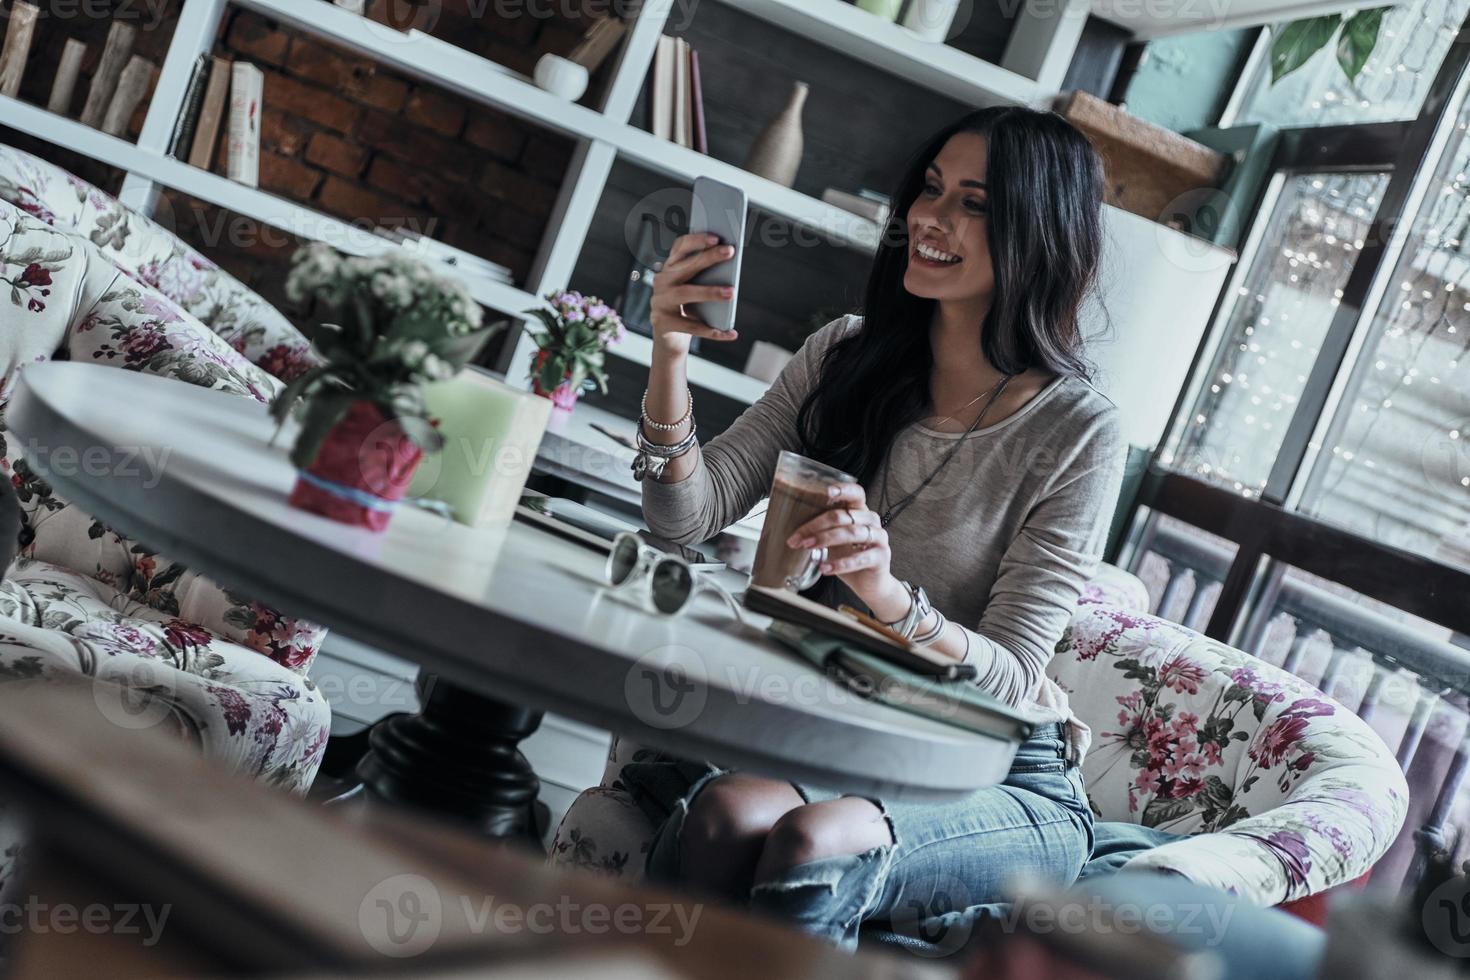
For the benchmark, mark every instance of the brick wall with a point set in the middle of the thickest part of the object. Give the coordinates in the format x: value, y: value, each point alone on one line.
x: 359, y: 142
x: 346, y: 137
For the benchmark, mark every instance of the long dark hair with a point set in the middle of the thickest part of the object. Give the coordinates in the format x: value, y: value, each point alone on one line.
x: 1044, y: 184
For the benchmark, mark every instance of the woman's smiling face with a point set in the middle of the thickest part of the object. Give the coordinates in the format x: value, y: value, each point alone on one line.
x: 949, y: 249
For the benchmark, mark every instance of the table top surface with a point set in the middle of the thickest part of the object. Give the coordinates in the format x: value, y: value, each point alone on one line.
x: 515, y: 613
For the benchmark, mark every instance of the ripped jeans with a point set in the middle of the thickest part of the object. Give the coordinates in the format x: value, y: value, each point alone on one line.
x: 948, y: 863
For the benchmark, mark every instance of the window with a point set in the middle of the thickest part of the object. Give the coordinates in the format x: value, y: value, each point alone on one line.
x: 1412, y: 41
x: 1395, y: 464
x: 1271, y: 333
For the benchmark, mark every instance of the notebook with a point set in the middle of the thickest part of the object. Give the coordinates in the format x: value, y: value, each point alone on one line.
x: 958, y: 703
x: 851, y: 626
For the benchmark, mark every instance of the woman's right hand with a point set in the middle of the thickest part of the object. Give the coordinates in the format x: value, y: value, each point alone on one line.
x: 672, y: 326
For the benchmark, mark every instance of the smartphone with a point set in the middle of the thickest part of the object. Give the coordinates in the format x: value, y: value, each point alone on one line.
x: 719, y: 209
x: 586, y: 526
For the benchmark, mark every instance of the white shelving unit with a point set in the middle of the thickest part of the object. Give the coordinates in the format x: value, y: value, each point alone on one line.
x: 1037, y: 54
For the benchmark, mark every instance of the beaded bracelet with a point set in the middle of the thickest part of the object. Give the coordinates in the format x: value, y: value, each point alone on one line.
x: 665, y: 426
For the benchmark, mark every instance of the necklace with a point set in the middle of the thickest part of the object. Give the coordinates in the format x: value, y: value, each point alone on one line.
x: 890, y: 514
x: 950, y: 418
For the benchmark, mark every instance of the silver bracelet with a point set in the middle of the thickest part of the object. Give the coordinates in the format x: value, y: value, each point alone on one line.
x: 664, y: 426
x: 934, y: 633
x: 919, y: 609
x: 653, y: 457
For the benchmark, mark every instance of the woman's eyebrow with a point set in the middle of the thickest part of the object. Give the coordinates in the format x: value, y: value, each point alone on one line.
x: 964, y: 183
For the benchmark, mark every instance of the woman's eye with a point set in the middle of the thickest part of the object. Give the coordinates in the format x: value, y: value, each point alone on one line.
x: 977, y: 206
x: 931, y: 188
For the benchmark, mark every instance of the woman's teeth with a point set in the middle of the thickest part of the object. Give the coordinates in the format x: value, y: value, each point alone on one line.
x: 935, y: 255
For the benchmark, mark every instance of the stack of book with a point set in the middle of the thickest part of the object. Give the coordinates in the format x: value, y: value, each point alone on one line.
x: 220, y: 90
x: 432, y: 250
x: 865, y: 203
x: 676, y: 99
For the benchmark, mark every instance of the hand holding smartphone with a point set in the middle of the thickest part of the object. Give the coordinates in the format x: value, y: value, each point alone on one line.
x: 719, y: 209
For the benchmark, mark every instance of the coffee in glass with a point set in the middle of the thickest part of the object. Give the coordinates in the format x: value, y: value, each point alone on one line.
x: 798, y: 494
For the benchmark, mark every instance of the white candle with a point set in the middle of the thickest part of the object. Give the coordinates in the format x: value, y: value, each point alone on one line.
x: 491, y: 434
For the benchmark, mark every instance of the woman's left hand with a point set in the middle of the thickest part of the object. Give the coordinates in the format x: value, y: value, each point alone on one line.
x: 857, y: 550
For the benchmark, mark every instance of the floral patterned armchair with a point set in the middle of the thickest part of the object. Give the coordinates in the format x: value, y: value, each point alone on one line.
x: 163, y: 643
x: 1283, y: 792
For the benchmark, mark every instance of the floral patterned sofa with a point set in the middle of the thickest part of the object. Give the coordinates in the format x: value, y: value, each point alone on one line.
x: 84, y: 279
x: 1284, y: 792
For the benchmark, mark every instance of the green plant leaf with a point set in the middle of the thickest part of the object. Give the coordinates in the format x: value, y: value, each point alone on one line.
x: 459, y: 351
x: 1358, y: 38
x: 1295, y: 43
x: 421, y: 432
x: 284, y: 402
x: 322, y: 412
x: 552, y: 373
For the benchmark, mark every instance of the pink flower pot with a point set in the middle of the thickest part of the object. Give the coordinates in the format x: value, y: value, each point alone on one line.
x: 362, y: 470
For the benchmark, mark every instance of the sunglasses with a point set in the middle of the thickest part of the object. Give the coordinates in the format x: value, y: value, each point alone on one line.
x: 661, y: 582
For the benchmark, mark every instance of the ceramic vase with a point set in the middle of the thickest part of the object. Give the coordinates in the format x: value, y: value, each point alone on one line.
x: 563, y: 398
x: 360, y: 473
x: 776, y: 154
x: 561, y: 77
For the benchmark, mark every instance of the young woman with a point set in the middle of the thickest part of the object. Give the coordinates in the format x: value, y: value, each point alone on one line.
x: 988, y: 469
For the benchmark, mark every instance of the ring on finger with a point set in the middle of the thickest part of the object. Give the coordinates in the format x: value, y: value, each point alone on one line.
x: 868, y: 529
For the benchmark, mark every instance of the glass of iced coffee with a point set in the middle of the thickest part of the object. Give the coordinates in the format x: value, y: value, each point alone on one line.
x: 798, y: 494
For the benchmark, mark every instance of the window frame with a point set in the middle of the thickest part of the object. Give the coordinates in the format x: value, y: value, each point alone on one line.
x: 1269, y: 533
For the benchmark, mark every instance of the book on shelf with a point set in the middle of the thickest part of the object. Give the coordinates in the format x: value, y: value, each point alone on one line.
x: 859, y: 204
x: 19, y: 32
x: 676, y: 98
x: 696, y: 103
x: 115, y: 54
x: 682, y: 112
x: 64, y: 86
x: 247, y: 86
x: 211, y: 115
x: 132, y: 86
x: 187, y: 124
x: 599, y: 41
x: 661, y: 94
x: 431, y: 249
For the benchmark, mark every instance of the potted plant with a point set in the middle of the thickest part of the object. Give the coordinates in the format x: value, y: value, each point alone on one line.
x: 575, y: 332
x: 390, y: 325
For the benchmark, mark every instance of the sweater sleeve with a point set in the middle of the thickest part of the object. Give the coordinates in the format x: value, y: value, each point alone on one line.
x: 1042, y: 572
x: 735, y: 468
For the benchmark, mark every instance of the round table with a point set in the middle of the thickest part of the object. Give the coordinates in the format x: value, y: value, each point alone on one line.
x: 509, y: 622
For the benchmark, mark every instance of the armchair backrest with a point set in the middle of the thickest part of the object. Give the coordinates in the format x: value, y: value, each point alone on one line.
x: 158, y: 259
x: 1192, y: 736
x: 67, y: 301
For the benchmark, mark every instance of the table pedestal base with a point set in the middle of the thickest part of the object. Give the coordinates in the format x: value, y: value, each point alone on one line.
x: 457, y: 758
